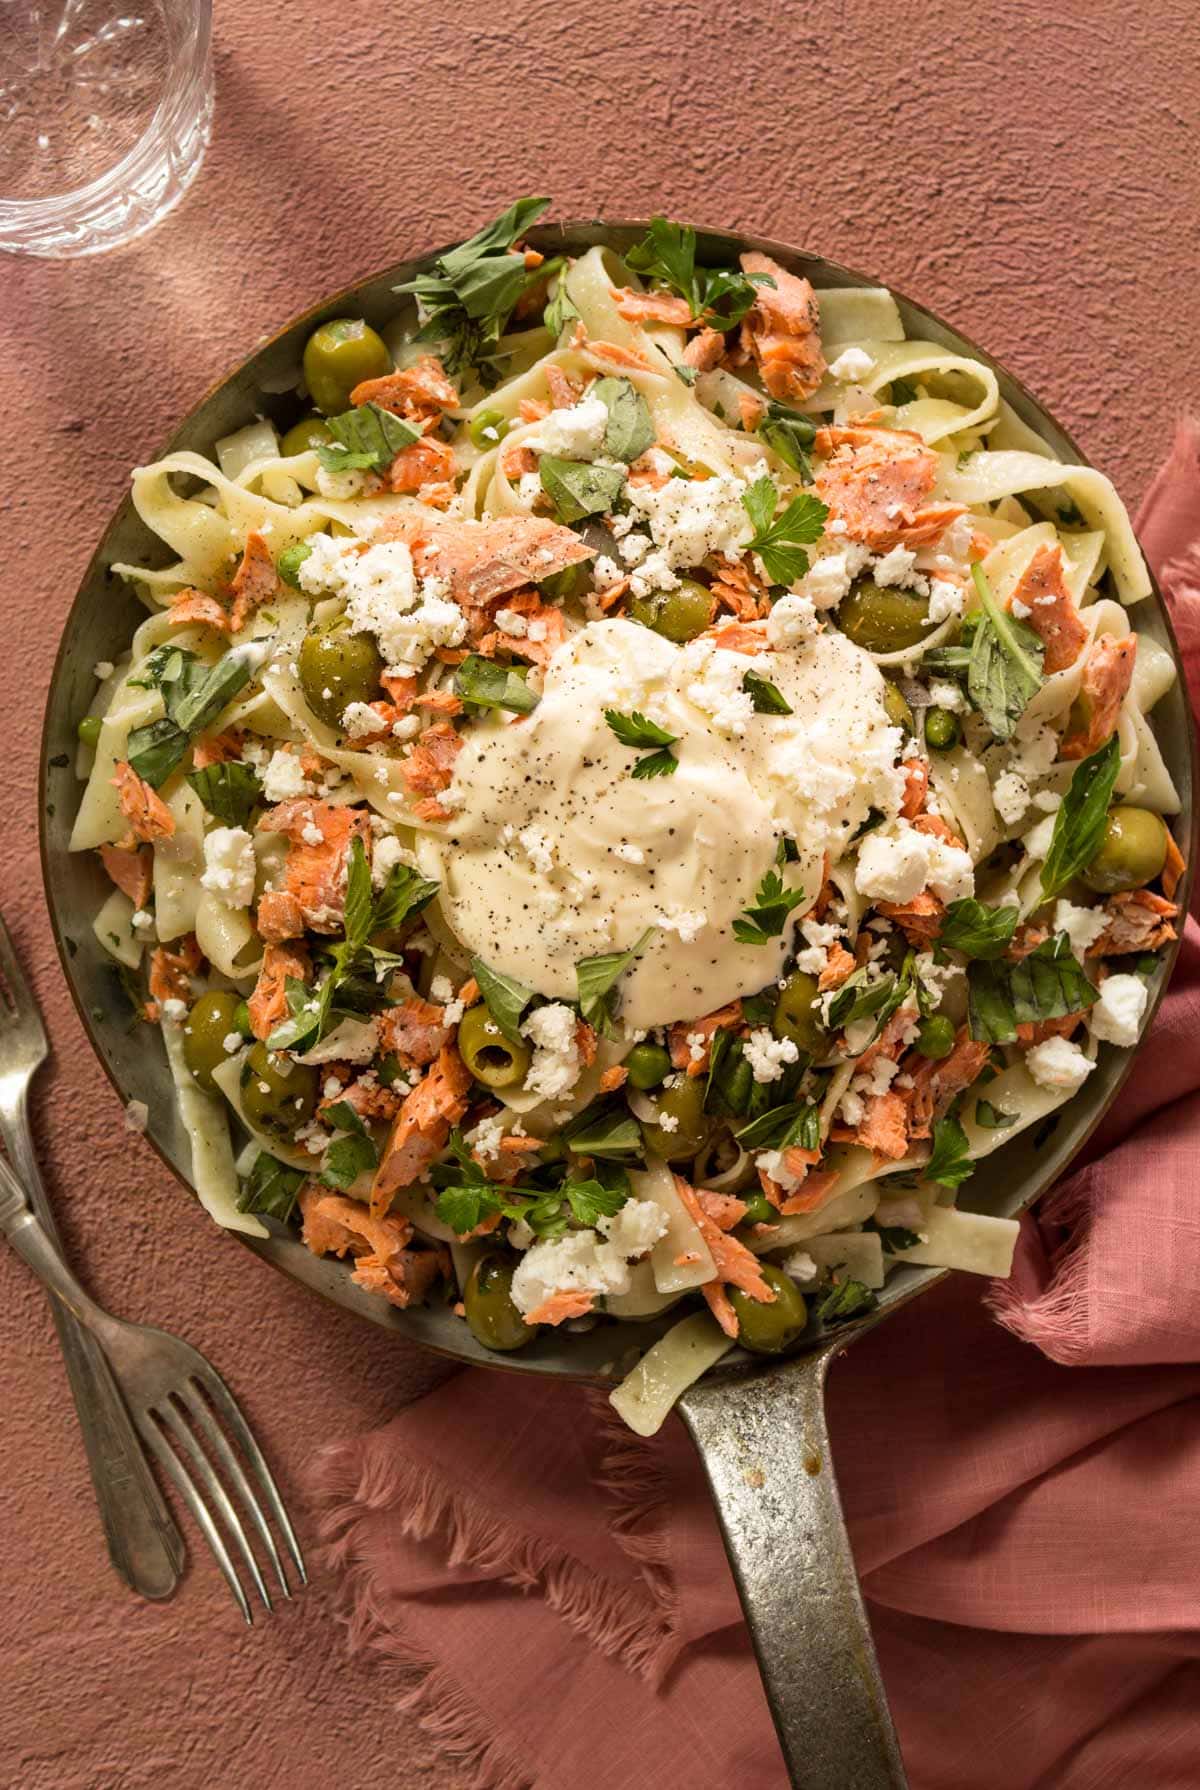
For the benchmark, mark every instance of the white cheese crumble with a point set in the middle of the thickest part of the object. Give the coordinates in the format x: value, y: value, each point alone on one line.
x: 575, y: 434
x: 947, y: 696
x: 555, y: 1067
x: 792, y: 620
x: 852, y: 363
x: 899, y: 569
x: 1057, y: 1063
x: 103, y: 668
x: 229, y: 865
x: 386, y: 853
x: 714, y: 685
x: 830, y: 575
x: 408, y: 616
x: 284, y: 777
x: 512, y: 624
x: 768, y: 1056
x: 1010, y: 794
x: 1082, y: 925
x: 691, y: 518
x: 945, y: 599
x: 360, y: 720
x: 896, y: 862
x: 1117, y: 1016
x: 538, y: 849
x: 588, y: 1261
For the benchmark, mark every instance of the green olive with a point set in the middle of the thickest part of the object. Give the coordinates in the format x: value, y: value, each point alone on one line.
x: 492, y: 1058
x: 942, y: 730
x: 684, y: 1104
x: 337, y: 668
x: 89, y: 729
x: 241, y: 1019
x: 488, y: 428
x: 310, y: 432
x: 488, y: 1303
x: 759, y: 1210
x: 769, y: 1329
x: 935, y: 1036
x: 212, y: 1019
x: 796, y: 1015
x: 896, y: 708
x: 337, y: 357
x: 289, y: 562
x: 883, y: 621
x: 571, y: 581
x: 648, y: 1065
x: 1132, y: 852
x: 678, y: 615
x: 278, y: 1094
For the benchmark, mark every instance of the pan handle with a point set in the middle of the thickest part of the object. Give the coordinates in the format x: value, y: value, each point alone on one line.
x: 765, y: 1448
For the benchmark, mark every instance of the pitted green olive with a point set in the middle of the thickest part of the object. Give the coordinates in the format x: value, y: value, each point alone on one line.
x: 678, y: 615
x: 279, y: 1095
x: 896, y: 708
x: 796, y: 1015
x: 571, y: 581
x: 680, y: 1126
x: 769, y: 1329
x: 488, y: 1303
x: 648, y: 1066
x: 1132, y: 852
x: 310, y: 432
x: 883, y: 620
x: 492, y: 1058
x: 337, y: 668
x: 337, y: 357
x: 211, y: 1021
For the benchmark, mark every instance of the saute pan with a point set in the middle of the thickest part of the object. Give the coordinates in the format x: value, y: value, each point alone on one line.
x: 760, y: 1430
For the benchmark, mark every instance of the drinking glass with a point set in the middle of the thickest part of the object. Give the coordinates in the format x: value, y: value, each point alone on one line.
x: 105, y: 111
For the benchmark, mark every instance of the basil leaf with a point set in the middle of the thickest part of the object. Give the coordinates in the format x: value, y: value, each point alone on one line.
x: 578, y: 489
x: 485, y: 684
x: 763, y: 694
x: 857, y: 998
x: 1048, y: 984
x: 977, y: 930
x: 174, y: 671
x: 604, y: 1131
x: 851, y: 1299
x: 589, y: 1200
x: 343, y: 1117
x: 991, y: 1118
x: 271, y: 1187
x: 405, y: 892
x: 630, y: 431
x: 789, y: 434
x: 506, y: 999
x: 780, y: 541
x: 596, y: 979
x: 469, y: 294
x: 304, y: 1008
x: 229, y: 791
x: 658, y: 764
x: 894, y: 1237
x: 1080, y: 820
x: 347, y: 1158
x: 561, y: 309
x: 358, y: 902
x: 783, y: 1126
x: 365, y: 438
x: 773, y: 902
x: 949, y: 1164
x: 1005, y: 667
x: 636, y: 730
x: 156, y: 749
x: 194, y: 699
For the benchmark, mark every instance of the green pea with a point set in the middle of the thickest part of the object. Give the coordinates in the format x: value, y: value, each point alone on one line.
x: 759, y: 1210
x: 942, y: 730
x: 684, y: 1104
x: 489, y: 1308
x: 648, y: 1065
x: 241, y: 1019
x: 89, y: 729
x: 492, y: 1058
x: 896, y: 708
x: 338, y: 356
x: 571, y: 581
x: 769, y: 1329
x: 309, y: 432
x: 678, y: 615
x: 289, y: 562
x: 883, y: 620
x: 796, y: 1016
x: 279, y: 1095
x: 212, y: 1019
x: 337, y: 668
x: 488, y: 428
x: 1132, y: 852
x: 935, y: 1036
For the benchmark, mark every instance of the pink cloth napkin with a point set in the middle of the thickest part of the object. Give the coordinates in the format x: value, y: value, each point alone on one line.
x: 1026, y: 1519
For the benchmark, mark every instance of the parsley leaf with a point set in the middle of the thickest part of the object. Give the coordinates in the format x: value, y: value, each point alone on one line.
x: 763, y: 694
x: 636, y: 730
x: 468, y: 297
x: 657, y: 764
x: 589, y: 1200
x: 718, y: 297
x: 977, y: 930
x: 850, y: 1299
x: 1005, y: 667
x: 596, y: 979
x: 773, y: 902
x: 789, y: 434
x: 365, y: 438
x: 347, y: 1158
x: 271, y: 1187
x: 991, y: 1118
x: 949, y: 1164
x: 1080, y: 820
x: 780, y: 541
x: 466, y: 1204
x: 1048, y: 984
x: 577, y: 488
x: 630, y: 431
x: 229, y: 791
x: 505, y: 998
x: 484, y: 684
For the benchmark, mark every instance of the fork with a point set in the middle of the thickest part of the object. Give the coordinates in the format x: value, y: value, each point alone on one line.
x: 178, y: 1403
x: 144, y: 1545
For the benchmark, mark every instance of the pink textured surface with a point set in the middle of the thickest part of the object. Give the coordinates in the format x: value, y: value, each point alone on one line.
x: 1028, y: 172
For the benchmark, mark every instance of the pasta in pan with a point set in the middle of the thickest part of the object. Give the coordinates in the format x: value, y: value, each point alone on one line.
x: 630, y: 796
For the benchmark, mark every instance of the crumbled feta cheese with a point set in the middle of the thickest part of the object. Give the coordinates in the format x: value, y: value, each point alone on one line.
x: 586, y: 1261
x: 713, y: 682
x: 1082, y: 925
x: 1022, y: 611
x: 229, y: 865
x: 668, y: 1122
x: 1117, y: 1016
x: 409, y: 617
x: 687, y: 922
x: 1037, y: 840
x: 311, y: 833
x: 441, y: 989
x: 893, y: 864
x: 283, y: 776
x: 792, y: 620
x: 768, y: 1056
x: 951, y: 871
x: 1057, y: 1063
x: 555, y: 1067
x: 341, y: 486
x: 484, y: 1139
x: 386, y: 853
x: 634, y: 1229
x: 103, y: 668
x: 800, y: 1265
x: 945, y: 599
x: 897, y: 568
x: 945, y: 695
x: 1010, y: 793
x: 1047, y: 800
x: 142, y: 920
x: 852, y: 363
x: 174, y: 1010
x: 830, y: 575
x: 232, y: 1041
x: 360, y: 720
x: 691, y: 518
x: 538, y: 849
x: 510, y: 623
x: 576, y: 434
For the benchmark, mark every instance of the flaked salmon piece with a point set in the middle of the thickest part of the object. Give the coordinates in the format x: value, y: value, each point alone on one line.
x: 319, y: 838
x: 279, y: 916
x: 736, y: 585
x: 422, y: 1126
x: 254, y: 583
x: 406, y: 1277
x: 421, y: 463
x: 429, y: 808
x: 610, y: 600
x: 217, y: 748
x: 564, y: 392
x: 783, y: 330
x: 1037, y: 1031
x: 1137, y: 921
x: 171, y: 969
x: 438, y: 495
x: 734, y: 1263
x: 877, y: 481
x: 468, y: 994
x: 585, y: 1042
x: 1103, y: 687
x: 1052, y: 612
x: 705, y: 351
x: 418, y: 393
x: 546, y: 630
x: 916, y: 788
x: 367, y: 1097
x: 517, y: 460
x: 919, y: 919
x: 814, y: 1193
x: 838, y: 965
x: 619, y: 357
x: 938, y: 828
x: 402, y: 691
x: 441, y: 702
x: 614, y: 1078
x: 148, y: 815
x: 429, y: 767
x: 935, y: 1084
x: 484, y: 560
x: 512, y: 1161
x: 416, y: 1030
x: 533, y: 410
x: 130, y: 871
x: 268, y: 1006
x: 558, y: 1307
x: 1025, y: 939
x: 725, y: 1209
x: 739, y: 637
x: 703, y: 1031
x: 884, y: 1127
x: 652, y: 307
x: 196, y: 606
x: 1173, y: 868
x: 333, y: 1225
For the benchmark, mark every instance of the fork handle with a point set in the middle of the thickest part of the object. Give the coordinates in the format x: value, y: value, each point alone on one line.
x: 144, y: 1545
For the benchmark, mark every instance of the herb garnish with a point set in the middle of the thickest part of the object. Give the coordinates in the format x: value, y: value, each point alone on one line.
x: 977, y: 930
x: 194, y: 695
x: 229, y: 791
x: 577, y: 488
x: 505, y: 998
x: 718, y: 297
x: 773, y: 902
x: 797, y: 1123
x: 849, y: 1299
x: 485, y: 684
x: 364, y: 439
x: 630, y: 430
x: 271, y: 1187
x: 789, y: 434
x: 780, y: 541
x: 949, y: 1162
x: 765, y: 696
x: 636, y: 731
x: 990, y: 1117
x: 606, y: 1132
x: 561, y: 309
x: 1081, y: 816
x: 1000, y: 659
x: 596, y: 979
x: 1048, y: 984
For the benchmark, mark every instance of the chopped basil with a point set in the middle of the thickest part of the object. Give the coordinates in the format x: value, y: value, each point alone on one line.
x: 604, y: 1131
x: 789, y: 434
x: 783, y: 1126
x: 977, y: 930
x: 596, y: 979
x: 1080, y: 820
x: 229, y: 791
x: 578, y: 489
x: 764, y: 695
x: 1048, y: 984
x: 990, y: 1117
x: 484, y: 684
x: 858, y: 997
x: 780, y: 541
x: 505, y: 998
x: 194, y: 696
x: 561, y: 309
x: 364, y: 439
x: 630, y: 431
x: 405, y: 892
x: 271, y: 1187
x: 850, y: 1299
x: 1005, y: 667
